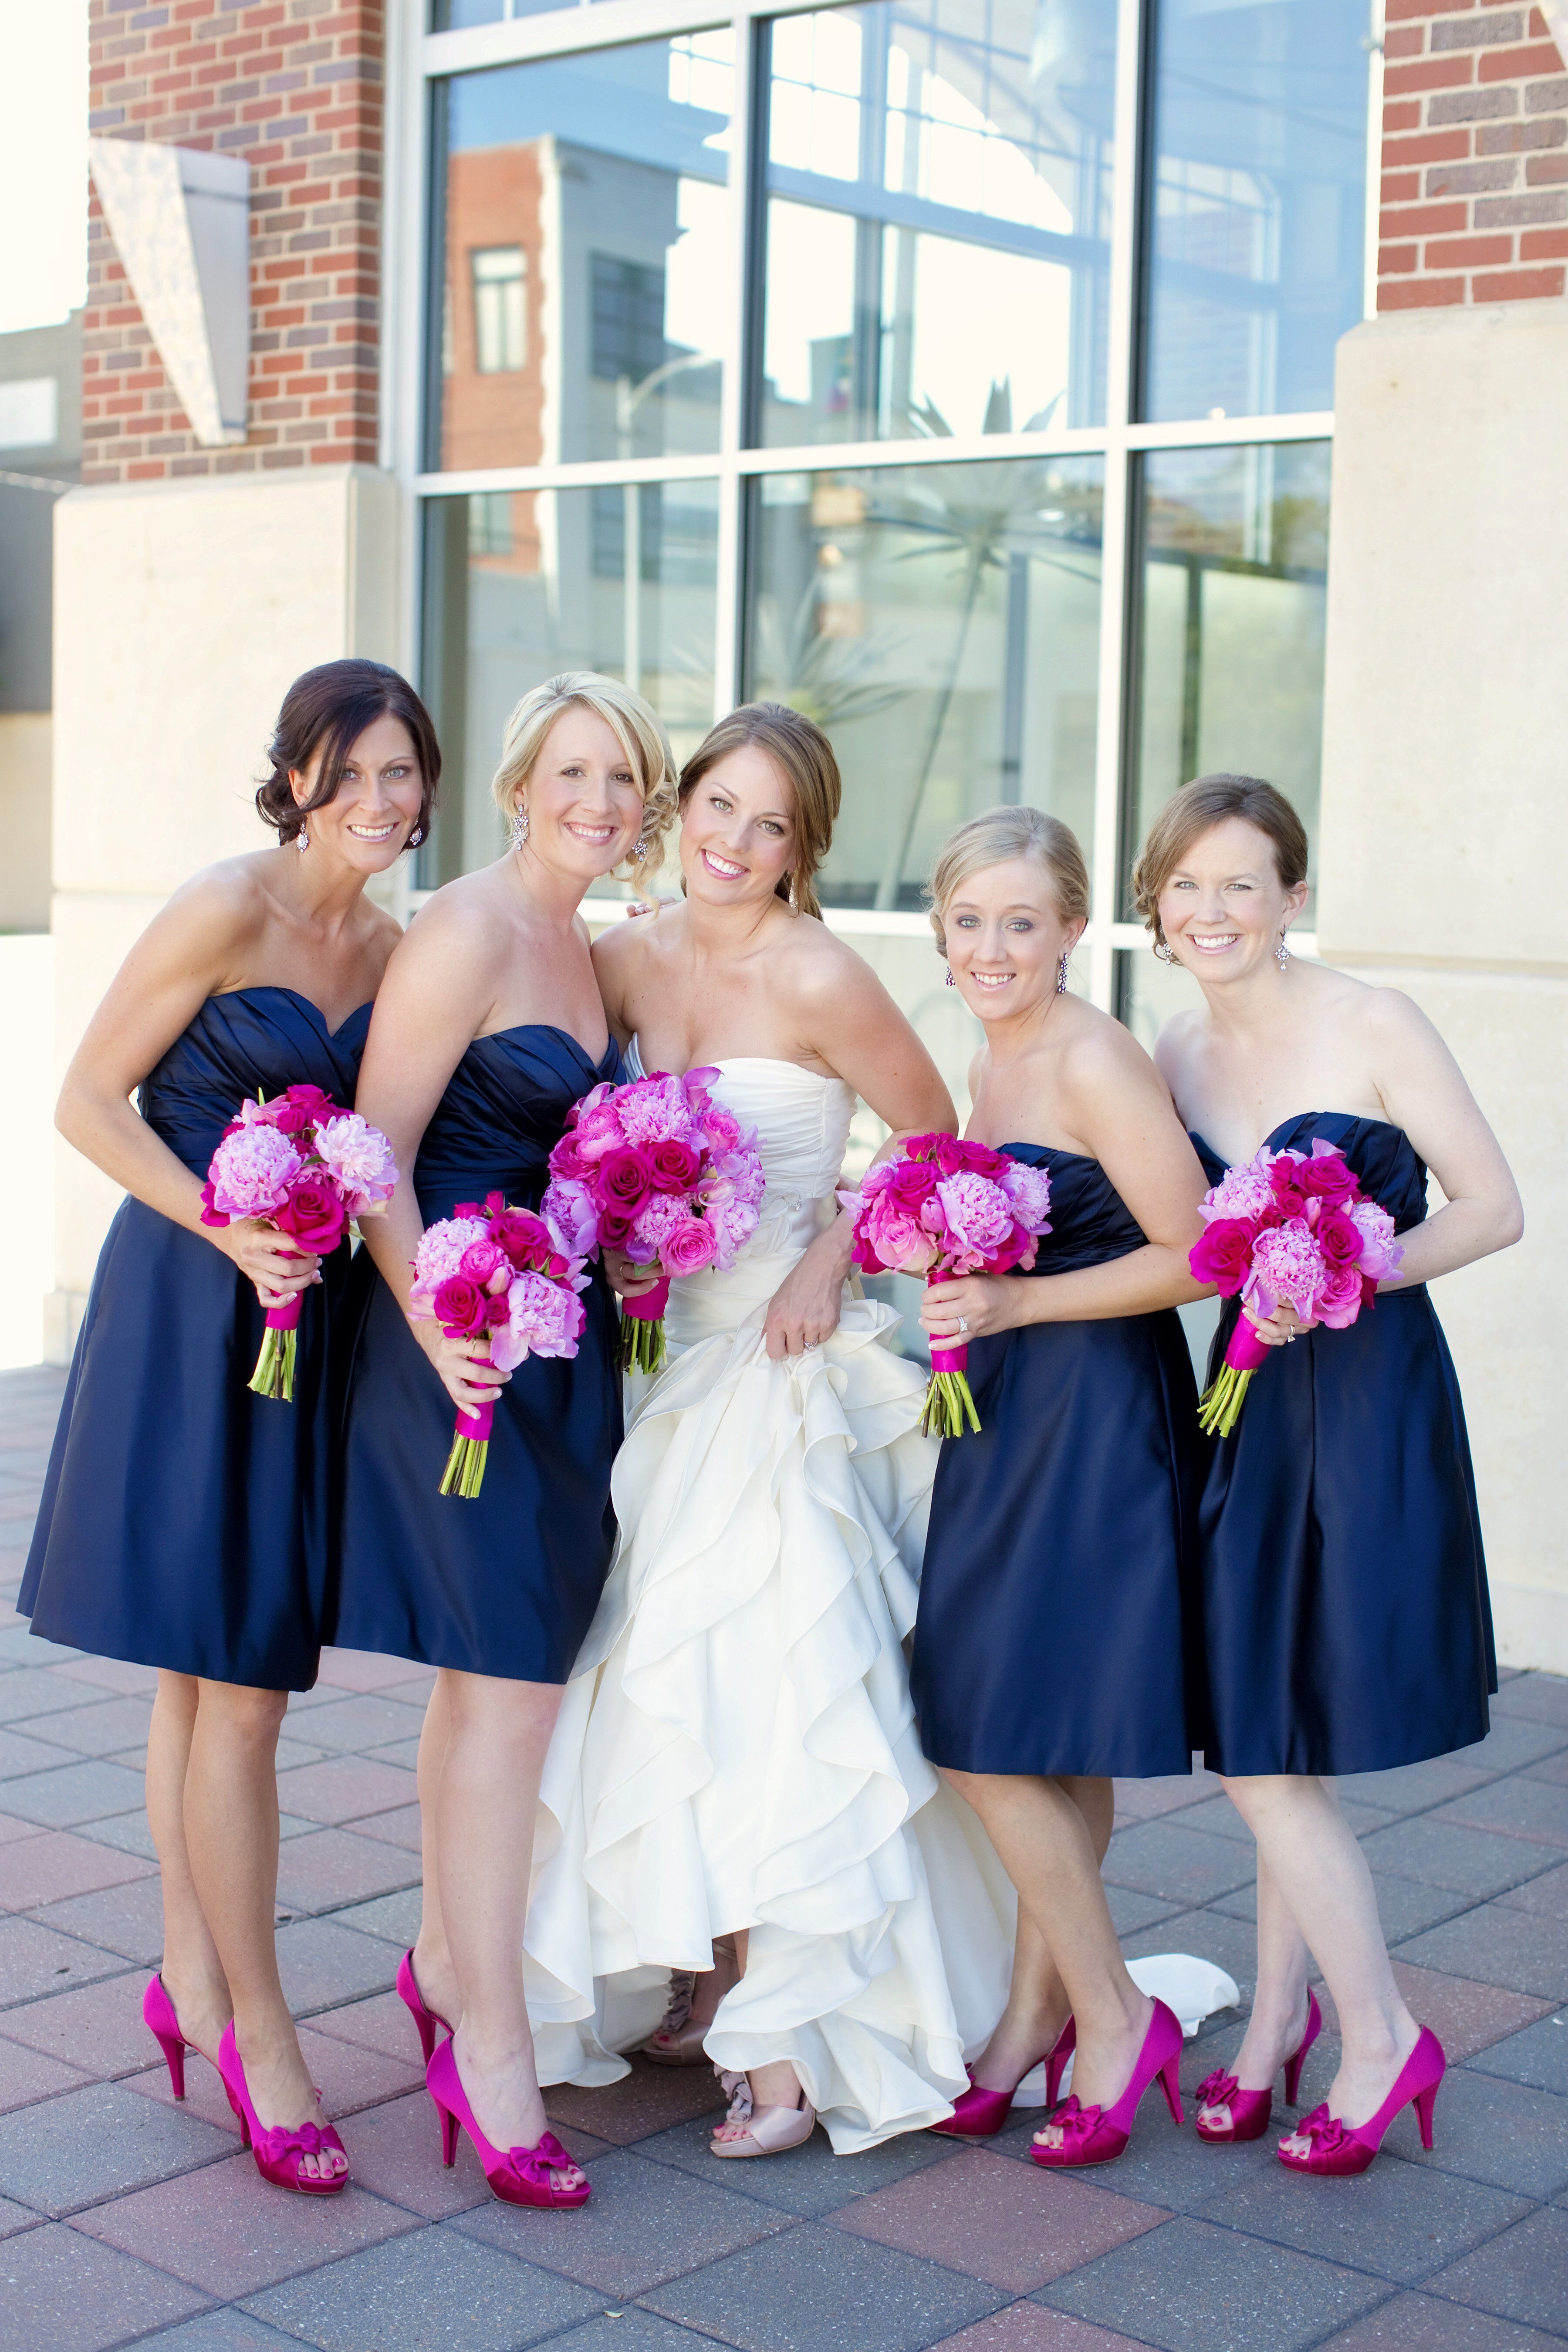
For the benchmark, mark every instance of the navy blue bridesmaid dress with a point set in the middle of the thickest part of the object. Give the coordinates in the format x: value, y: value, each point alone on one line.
x: 1053, y: 1600
x: 506, y: 1583
x: 185, y: 1522
x: 1345, y: 1620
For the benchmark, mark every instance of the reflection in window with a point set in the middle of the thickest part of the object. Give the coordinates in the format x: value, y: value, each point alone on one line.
x: 498, y: 317
x: 1257, y: 256
x: 938, y: 199
x: 519, y: 584
x: 606, y: 175
x: 943, y: 623
x: 1230, y: 665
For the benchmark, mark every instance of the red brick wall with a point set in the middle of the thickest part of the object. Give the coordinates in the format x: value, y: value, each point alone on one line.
x: 1475, y: 155
x: 295, y: 86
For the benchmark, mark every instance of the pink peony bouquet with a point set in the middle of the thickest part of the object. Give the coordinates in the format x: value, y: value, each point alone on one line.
x: 307, y: 1166
x: 942, y: 1209
x: 507, y: 1273
x: 1288, y: 1228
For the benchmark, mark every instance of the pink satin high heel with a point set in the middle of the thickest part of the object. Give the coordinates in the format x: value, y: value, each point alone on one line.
x: 428, y: 2022
x: 158, y: 2016
x: 977, y: 2112
x: 517, y: 2176
x: 1250, y: 2110
x: 1096, y: 2135
x: 278, y: 2150
x: 1338, y: 2149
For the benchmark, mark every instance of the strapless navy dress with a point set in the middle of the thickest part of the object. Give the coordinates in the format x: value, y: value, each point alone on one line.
x: 1346, y: 1625
x: 185, y: 1522
x: 504, y: 1584
x: 1053, y: 1600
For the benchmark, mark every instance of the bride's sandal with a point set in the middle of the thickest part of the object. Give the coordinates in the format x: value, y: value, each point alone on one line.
x: 769, y: 2130
x: 679, y: 2037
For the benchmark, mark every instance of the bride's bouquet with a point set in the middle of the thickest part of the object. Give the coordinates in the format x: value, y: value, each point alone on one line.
x: 306, y: 1166
x: 1292, y: 1229
x: 507, y: 1273
x: 659, y: 1171
x: 944, y: 1208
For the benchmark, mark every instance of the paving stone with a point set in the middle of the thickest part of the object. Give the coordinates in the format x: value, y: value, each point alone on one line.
x: 814, y: 2289
x: 348, y: 2077
x: 1510, y: 1948
x: 394, y: 1917
x: 1184, y: 1866
x: 1477, y: 1863
x: 108, y: 1673
x: 30, y: 1693
x: 1191, y: 2287
x: 1523, y: 1806
x: 127, y: 1920
x: 125, y: 1833
x: 1466, y: 2016
x: 12, y: 1831
x: 1503, y: 2133
x: 1015, y: 2227
x: 228, y: 2231
x: 97, y: 2142
x: 1148, y: 1801
x: 1523, y: 2275
x: 1402, y: 2221
x: 365, y: 1670
x: 380, y: 2022
x: 367, y: 1720
x: 73, y: 1793
x: 68, y: 2294
x: 34, y: 1960
x: 1030, y: 2327
x: 105, y: 1727
x: 395, y: 2150
x: 647, y: 2100
x: 1414, y: 1787
x: 13, y: 2219
x: 1163, y: 2167
x: 1550, y: 1767
x: 29, y: 2074
x: 810, y: 2181
x: 1537, y: 2056
x: 403, y: 1753
x: 56, y: 1863
x: 321, y: 1962
x: 342, y: 1788
x: 1420, y: 2322
x: 1229, y: 1943
x: 23, y: 1753
x: 628, y: 2331
x: 400, y: 1827
x: 1546, y: 1897
x: 22, y: 1649
x: 1514, y: 1741
x: 99, y: 2028
x: 329, y: 1868
x: 438, y: 2291
x: 1543, y: 1697
x: 1131, y: 1912
x: 218, y: 2331
x: 1404, y: 1905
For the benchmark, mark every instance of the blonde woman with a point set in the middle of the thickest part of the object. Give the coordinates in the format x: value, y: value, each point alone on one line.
x: 489, y: 1028
x: 736, y: 1761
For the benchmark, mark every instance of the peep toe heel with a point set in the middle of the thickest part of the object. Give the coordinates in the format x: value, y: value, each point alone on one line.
x: 428, y: 2023
x: 1250, y: 2110
x: 1097, y: 2134
x: 517, y: 2176
x: 977, y: 2112
x: 1336, y: 2150
x: 158, y: 2016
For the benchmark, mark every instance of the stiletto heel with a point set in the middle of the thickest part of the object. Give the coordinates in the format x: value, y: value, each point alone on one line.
x: 279, y: 2151
x: 978, y: 2113
x: 427, y: 2021
x: 1337, y: 2148
x: 1096, y: 2135
x: 158, y: 2016
x: 517, y: 2176
x: 1250, y: 2110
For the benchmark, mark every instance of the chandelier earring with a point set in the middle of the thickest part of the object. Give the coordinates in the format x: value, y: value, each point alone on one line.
x: 640, y: 849
x: 950, y: 982
x: 1062, y: 973
x: 301, y: 841
x: 1164, y: 950
x: 519, y: 824
x: 1281, y: 953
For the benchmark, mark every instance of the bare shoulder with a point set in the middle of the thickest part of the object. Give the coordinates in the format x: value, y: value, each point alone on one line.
x: 221, y: 910
x: 462, y: 922
x: 1099, y: 1049
x: 817, y: 968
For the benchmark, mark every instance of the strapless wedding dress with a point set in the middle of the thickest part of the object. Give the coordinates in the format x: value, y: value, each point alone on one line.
x: 737, y: 1747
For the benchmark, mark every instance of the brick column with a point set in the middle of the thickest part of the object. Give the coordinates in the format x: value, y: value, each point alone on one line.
x: 1475, y: 155
x: 295, y: 87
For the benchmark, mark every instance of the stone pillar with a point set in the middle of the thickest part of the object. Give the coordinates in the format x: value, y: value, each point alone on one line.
x: 1445, y: 831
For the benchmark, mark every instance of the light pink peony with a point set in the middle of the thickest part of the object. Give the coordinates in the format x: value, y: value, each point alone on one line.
x: 251, y: 1171
x: 1287, y: 1265
x: 653, y: 1225
x: 655, y: 1110
x: 733, y: 1221
x: 1381, y: 1254
x: 978, y: 1213
x: 546, y: 1318
x: 567, y: 1209
x: 440, y: 1255
x: 1243, y: 1191
x: 1030, y: 1191
x: 359, y: 1158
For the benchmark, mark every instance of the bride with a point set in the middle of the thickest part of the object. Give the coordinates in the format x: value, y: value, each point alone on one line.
x: 736, y: 1762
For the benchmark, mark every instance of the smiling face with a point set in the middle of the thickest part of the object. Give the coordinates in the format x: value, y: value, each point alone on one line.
x: 1006, y: 938
x: 369, y: 818
x: 1223, y: 907
x: 583, y: 797
x: 738, y: 830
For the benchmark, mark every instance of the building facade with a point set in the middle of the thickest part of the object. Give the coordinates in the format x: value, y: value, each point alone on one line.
x: 1056, y: 398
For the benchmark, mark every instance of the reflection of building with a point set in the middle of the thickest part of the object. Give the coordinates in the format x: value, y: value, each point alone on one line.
x: 40, y: 453
x: 988, y: 413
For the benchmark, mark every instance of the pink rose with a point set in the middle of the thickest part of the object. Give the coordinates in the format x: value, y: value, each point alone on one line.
x: 569, y: 1161
x: 1326, y: 1176
x: 625, y: 1178
x: 689, y: 1247
x: 1222, y: 1255
x: 895, y: 1239
x: 481, y: 1259
x: 721, y: 1128
x: 1338, y: 1300
x: 673, y: 1166
x: 458, y: 1304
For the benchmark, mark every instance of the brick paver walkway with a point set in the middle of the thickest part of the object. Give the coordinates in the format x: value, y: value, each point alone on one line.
x: 126, y: 2219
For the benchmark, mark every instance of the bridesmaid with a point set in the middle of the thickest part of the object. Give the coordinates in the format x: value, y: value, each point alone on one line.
x: 1345, y: 1622
x: 489, y: 1028
x: 184, y: 1523
x: 1049, y: 1648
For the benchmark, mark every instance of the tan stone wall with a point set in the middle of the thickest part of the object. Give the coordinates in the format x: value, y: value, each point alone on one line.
x: 26, y: 750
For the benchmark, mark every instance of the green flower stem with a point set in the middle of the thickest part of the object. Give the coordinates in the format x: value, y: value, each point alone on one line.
x: 1219, y: 1408
x: 464, y: 1471
x: 274, y: 1373
x: 642, y: 1344
x: 949, y: 1406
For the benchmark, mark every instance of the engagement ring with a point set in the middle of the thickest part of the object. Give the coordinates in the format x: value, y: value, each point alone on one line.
x: 963, y: 1322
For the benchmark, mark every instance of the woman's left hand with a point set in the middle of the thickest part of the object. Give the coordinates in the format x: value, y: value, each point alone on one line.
x: 1283, y: 1326
x: 980, y: 1303
x: 805, y: 1307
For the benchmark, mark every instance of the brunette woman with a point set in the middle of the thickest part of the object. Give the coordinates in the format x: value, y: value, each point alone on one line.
x: 1048, y: 1650
x: 1345, y: 1625
x: 184, y: 1523
x: 489, y: 1028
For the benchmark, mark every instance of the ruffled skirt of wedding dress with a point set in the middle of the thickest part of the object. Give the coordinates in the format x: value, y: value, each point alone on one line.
x: 738, y: 1747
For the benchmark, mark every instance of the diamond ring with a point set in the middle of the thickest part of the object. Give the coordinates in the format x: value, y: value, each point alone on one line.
x: 963, y: 1322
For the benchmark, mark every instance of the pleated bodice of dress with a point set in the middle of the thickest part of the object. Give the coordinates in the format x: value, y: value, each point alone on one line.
x: 255, y: 1041
x: 502, y: 1114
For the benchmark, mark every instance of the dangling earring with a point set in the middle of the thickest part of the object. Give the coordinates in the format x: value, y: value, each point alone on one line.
x: 1165, y: 951
x: 519, y: 824
x: 1062, y: 974
x: 301, y: 841
x: 1281, y: 953
x: 640, y: 849
x: 950, y: 982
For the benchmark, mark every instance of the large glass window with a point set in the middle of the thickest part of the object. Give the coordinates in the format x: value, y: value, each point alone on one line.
x: 937, y: 222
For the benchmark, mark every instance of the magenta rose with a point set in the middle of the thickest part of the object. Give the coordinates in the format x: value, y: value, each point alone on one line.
x: 673, y: 1166
x: 1326, y: 1178
x: 1290, y: 1194
x: 1339, y: 1238
x: 1222, y: 1255
x: 948, y: 1153
x: 526, y: 1238
x: 615, y: 1226
x: 460, y: 1306
x: 569, y: 1163
x: 625, y: 1178
x: 480, y: 1260
x: 910, y: 1182
x: 981, y: 1160
x: 689, y: 1247
x: 314, y: 1213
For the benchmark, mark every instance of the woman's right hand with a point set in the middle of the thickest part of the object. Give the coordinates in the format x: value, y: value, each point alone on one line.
x: 1279, y: 1328
x: 455, y: 1357
x: 631, y: 1280
x: 266, y: 1257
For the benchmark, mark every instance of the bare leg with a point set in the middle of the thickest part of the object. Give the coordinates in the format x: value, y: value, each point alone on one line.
x: 231, y: 1835
x: 776, y: 2085
x: 191, y: 1971
x: 1279, y: 2018
x: 432, y: 1969
x: 1048, y: 1852
x: 1321, y: 1876
x: 485, y: 1801
x: 1037, y: 2003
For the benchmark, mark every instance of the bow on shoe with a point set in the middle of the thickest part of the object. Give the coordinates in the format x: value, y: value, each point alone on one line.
x: 1326, y: 2132
x: 1218, y: 2089
x: 1074, y: 2122
x: 309, y: 2140
x: 535, y: 2164
x: 682, y: 1992
x: 739, y: 2091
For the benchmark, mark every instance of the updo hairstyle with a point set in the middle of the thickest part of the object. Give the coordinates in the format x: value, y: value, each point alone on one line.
x: 803, y: 754
x: 1195, y: 810
x: 997, y: 838
x: 633, y: 722
x: 328, y: 709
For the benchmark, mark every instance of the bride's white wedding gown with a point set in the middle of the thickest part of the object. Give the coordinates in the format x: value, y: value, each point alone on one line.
x: 737, y: 1746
